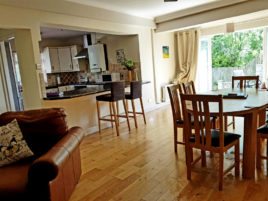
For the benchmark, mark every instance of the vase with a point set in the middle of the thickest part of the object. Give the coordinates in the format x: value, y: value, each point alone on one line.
x: 130, y: 75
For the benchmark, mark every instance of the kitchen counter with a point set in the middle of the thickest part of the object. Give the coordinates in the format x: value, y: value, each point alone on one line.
x: 83, y: 89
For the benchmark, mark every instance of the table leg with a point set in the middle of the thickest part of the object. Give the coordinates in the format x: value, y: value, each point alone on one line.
x: 249, y: 147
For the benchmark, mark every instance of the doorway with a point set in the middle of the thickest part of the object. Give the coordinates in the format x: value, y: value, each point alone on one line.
x: 11, y: 85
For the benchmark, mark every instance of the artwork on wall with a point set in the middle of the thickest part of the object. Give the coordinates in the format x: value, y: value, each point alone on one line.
x: 165, y: 50
x: 120, y: 56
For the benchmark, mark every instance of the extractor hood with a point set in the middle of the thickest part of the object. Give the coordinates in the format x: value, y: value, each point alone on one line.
x: 84, y: 52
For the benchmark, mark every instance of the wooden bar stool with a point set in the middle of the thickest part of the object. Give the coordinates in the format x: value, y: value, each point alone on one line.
x: 117, y: 94
x: 135, y: 92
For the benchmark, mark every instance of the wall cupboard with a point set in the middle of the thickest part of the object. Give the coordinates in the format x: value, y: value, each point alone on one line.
x: 60, y: 59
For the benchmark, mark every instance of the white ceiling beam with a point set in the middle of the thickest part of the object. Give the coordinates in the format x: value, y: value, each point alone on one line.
x: 78, y: 10
x: 196, y: 10
x: 238, y: 9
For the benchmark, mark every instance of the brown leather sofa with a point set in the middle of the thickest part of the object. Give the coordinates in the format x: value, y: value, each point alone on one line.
x: 54, y: 170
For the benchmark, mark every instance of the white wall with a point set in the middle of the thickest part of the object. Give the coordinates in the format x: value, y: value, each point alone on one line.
x: 130, y: 44
x: 165, y: 68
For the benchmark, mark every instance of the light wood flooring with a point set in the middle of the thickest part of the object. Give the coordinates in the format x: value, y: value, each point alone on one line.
x: 142, y: 166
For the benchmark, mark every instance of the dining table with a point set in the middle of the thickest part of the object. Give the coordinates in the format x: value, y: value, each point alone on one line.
x: 251, y: 105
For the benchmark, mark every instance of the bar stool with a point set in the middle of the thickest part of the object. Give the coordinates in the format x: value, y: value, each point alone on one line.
x: 117, y: 94
x: 135, y: 92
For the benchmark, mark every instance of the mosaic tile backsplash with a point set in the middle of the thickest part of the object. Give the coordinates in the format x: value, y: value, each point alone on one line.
x: 62, y: 78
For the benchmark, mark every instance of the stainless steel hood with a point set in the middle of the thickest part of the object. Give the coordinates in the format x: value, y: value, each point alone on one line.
x: 84, y: 52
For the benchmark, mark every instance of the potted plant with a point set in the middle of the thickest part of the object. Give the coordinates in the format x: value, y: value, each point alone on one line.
x: 130, y: 66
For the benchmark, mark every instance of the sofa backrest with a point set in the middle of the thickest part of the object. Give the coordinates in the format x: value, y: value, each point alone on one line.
x: 41, y: 128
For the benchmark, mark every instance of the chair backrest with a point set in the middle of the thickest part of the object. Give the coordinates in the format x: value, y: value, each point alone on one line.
x: 117, y: 91
x: 196, y: 108
x: 135, y: 89
x: 243, y: 81
x: 187, y: 88
x: 173, y: 92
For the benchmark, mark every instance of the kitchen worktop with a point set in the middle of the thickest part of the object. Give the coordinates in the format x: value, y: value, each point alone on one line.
x: 82, y: 89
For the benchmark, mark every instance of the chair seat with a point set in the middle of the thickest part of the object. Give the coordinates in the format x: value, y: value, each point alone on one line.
x: 263, y: 129
x: 105, y: 97
x: 228, y: 138
x: 128, y: 96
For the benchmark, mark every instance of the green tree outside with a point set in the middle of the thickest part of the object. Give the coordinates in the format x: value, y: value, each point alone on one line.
x: 236, y: 49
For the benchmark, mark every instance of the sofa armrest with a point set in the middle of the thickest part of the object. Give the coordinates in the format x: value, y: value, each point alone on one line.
x: 47, y: 166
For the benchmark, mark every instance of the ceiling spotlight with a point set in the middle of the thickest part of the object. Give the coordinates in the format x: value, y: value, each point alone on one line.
x: 169, y: 0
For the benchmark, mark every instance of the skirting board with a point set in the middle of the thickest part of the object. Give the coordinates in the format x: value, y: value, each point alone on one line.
x: 94, y: 129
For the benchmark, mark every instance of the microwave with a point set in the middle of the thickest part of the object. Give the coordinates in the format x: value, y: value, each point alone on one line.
x: 106, y: 77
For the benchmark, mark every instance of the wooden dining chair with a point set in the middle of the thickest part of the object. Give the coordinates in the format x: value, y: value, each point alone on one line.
x: 243, y: 82
x: 262, y: 133
x: 202, y: 136
x: 187, y: 88
x: 173, y: 92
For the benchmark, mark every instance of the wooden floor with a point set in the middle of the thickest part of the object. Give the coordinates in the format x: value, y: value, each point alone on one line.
x: 142, y: 166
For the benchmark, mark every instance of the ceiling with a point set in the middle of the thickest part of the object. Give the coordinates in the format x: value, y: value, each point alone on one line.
x: 144, y: 8
x: 49, y: 32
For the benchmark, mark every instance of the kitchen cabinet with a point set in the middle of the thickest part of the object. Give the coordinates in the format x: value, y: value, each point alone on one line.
x: 74, y: 61
x: 60, y: 59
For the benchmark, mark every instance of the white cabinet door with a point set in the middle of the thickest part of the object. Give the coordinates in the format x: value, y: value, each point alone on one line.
x: 65, y: 59
x: 54, y: 60
x: 74, y: 61
x: 50, y: 60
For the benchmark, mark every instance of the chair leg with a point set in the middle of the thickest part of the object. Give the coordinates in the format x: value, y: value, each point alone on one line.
x: 134, y: 112
x: 117, y: 110
x: 233, y: 122
x: 237, y: 160
x: 220, y: 170
x: 142, y: 109
x: 258, y: 157
x: 188, y: 155
x: 115, y: 118
x: 203, y: 159
x: 125, y: 108
x: 98, y: 112
x: 267, y: 153
x: 175, y: 138
x: 225, y: 123
x: 111, y: 114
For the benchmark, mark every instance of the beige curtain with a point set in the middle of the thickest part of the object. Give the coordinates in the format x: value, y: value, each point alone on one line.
x: 188, y: 42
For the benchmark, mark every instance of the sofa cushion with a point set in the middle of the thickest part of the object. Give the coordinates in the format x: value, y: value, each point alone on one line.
x: 13, y: 147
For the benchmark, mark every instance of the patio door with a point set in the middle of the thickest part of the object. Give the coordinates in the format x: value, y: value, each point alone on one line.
x: 204, y: 69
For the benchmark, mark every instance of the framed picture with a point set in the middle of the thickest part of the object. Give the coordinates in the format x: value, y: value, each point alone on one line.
x: 165, y: 50
x: 120, y: 56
